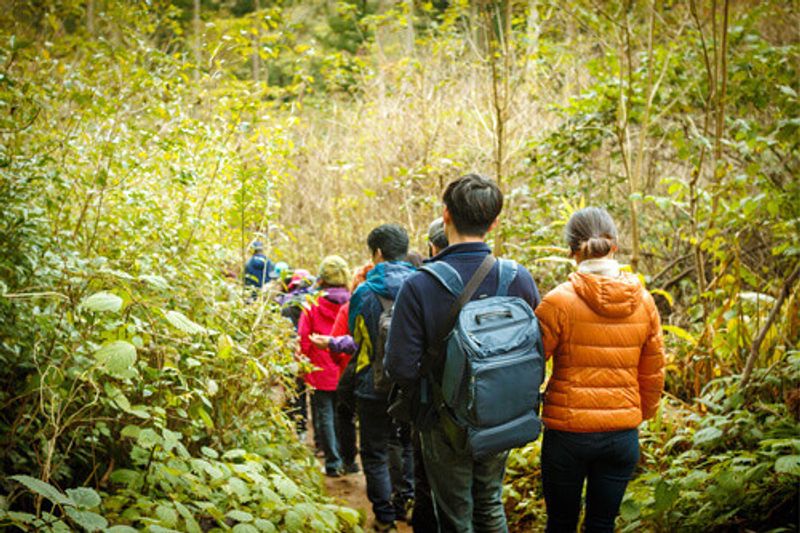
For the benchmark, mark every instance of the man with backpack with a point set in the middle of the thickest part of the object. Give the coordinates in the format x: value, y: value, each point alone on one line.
x: 465, y: 340
x: 369, y: 318
x: 258, y: 269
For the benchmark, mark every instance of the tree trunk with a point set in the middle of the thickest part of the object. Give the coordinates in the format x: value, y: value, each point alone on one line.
x: 257, y: 43
x: 410, y: 28
x: 497, y: 24
x: 534, y: 29
x: 90, y: 17
x: 197, y: 42
x: 636, y: 177
x: 755, y: 348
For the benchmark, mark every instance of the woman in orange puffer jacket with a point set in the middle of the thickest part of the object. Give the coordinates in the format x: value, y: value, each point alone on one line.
x: 603, y: 332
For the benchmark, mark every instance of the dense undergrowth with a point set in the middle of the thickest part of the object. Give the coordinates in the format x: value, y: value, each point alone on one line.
x: 141, y: 151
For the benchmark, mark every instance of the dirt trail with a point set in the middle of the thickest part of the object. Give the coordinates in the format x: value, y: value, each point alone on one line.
x: 352, y: 490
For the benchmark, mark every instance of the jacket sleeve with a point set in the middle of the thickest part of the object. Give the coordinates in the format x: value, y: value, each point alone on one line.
x: 340, y: 324
x: 342, y: 344
x: 551, y: 323
x: 527, y: 287
x: 651, y: 364
x: 406, y: 342
x: 303, y: 331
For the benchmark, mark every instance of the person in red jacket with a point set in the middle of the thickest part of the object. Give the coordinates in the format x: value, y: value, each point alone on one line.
x: 319, y: 319
x: 602, y: 330
x: 342, y: 346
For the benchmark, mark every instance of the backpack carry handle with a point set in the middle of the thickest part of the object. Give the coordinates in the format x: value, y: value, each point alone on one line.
x: 502, y: 314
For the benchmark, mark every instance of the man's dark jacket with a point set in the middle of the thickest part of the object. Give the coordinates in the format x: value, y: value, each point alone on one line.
x: 365, y: 311
x: 423, y: 304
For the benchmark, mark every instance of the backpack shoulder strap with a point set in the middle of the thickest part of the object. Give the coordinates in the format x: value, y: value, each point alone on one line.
x: 507, y: 273
x: 461, y: 299
x: 447, y: 276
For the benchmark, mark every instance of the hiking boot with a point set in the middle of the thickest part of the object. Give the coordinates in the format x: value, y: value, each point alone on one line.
x: 334, y: 472
x: 402, y: 509
x: 384, y: 527
x: 352, y: 468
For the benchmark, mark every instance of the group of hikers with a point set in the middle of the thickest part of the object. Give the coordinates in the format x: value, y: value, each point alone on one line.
x: 437, y: 364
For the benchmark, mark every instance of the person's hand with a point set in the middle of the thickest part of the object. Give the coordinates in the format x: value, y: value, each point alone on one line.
x: 320, y: 341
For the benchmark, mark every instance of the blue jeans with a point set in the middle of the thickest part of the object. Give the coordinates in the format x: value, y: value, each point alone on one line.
x: 323, y: 402
x: 607, y: 460
x: 467, y: 492
x: 375, y: 431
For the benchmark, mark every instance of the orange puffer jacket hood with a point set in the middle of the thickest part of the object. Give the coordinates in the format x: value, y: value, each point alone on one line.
x: 604, y: 335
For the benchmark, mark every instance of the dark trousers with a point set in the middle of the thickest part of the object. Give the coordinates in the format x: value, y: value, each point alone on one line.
x: 324, y: 425
x: 468, y: 492
x: 607, y: 460
x: 401, y: 466
x: 423, y: 517
x: 346, y: 429
x: 375, y: 431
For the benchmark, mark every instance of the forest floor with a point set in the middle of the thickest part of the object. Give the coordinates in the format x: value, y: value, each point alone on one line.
x: 351, y: 490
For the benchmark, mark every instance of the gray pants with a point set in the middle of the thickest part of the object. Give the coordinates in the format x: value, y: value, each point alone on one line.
x: 467, y: 492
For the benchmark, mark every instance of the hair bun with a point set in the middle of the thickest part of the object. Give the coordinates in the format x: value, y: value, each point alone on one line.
x: 596, y: 247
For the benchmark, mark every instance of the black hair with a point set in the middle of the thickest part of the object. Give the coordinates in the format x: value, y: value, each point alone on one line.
x: 474, y: 203
x: 436, y: 234
x: 391, y: 240
x: 592, y: 232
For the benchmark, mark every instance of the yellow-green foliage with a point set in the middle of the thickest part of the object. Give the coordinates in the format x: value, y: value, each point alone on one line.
x: 144, y: 145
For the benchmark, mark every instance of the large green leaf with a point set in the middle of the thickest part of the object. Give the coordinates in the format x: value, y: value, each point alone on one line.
x: 239, y: 516
x: 707, y: 435
x: 84, y: 497
x: 191, y: 524
x: 102, y: 301
x: 788, y: 464
x: 117, y: 357
x: 180, y: 322
x: 629, y: 510
x: 125, y: 476
x: 245, y: 528
x: 87, y: 520
x: 293, y: 521
x: 265, y: 526
x: 349, y: 515
x: 45, y: 489
x: 167, y: 515
x: 285, y: 486
x: 147, y: 438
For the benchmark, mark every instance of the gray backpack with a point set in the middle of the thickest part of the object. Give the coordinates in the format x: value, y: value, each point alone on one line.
x: 379, y: 379
x: 488, y: 397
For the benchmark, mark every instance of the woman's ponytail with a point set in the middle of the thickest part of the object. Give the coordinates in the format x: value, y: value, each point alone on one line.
x: 592, y: 232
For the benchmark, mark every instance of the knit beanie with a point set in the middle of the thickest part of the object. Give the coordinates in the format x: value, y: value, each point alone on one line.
x: 334, y: 271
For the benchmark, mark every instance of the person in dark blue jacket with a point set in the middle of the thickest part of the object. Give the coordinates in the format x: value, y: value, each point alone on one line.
x: 258, y: 269
x: 389, y: 245
x: 467, y: 493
